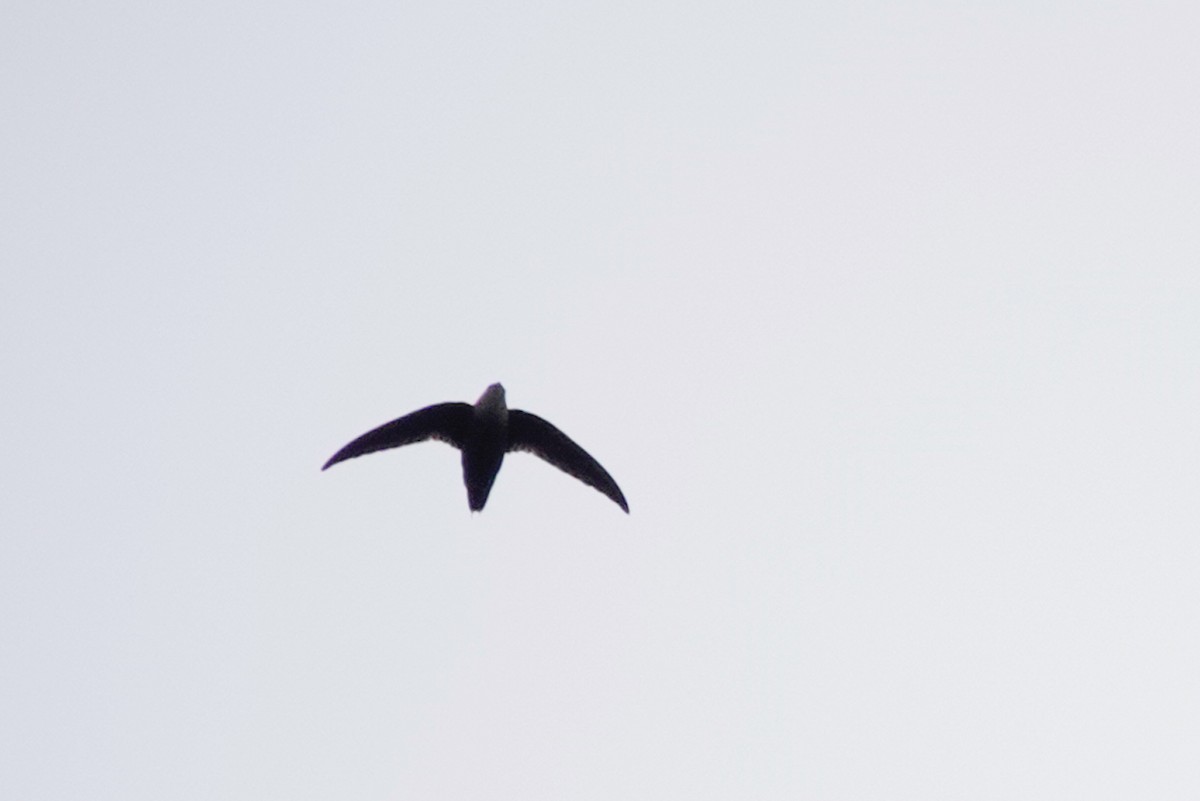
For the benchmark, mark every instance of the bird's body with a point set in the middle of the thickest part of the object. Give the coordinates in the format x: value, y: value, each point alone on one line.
x: 484, y: 433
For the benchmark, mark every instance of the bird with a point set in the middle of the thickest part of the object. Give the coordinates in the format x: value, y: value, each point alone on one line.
x: 484, y: 432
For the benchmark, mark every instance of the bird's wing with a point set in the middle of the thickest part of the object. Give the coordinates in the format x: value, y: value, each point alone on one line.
x: 448, y: 422
x: 528, y: 432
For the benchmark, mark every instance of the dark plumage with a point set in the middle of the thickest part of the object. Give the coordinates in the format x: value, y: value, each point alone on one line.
x: 484, y: 433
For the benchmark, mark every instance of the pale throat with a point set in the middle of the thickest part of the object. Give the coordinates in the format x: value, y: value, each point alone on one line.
x: 491, y: 404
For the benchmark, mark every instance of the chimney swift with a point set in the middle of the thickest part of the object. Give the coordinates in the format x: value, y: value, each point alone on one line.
x: 484, y: 433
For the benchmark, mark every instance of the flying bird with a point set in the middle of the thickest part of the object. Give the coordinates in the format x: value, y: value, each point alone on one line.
x: 484, y: 433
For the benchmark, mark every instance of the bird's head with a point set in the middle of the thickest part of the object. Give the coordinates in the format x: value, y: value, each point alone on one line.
x: 492, y: 401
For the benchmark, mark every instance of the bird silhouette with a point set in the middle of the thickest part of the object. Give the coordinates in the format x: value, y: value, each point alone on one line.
x: 484, y: 433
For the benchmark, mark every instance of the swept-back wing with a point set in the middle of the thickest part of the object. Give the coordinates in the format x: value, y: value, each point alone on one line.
x: 528, y: 432
x: 448, y: 422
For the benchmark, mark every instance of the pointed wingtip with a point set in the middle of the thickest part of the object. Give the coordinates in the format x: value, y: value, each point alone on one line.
x: 614, y: 494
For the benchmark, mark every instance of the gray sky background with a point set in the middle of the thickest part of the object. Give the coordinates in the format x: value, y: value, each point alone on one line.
x: 884, y: 316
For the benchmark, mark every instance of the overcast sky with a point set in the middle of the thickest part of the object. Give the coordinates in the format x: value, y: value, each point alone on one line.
x: 885, y: 317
